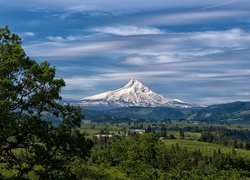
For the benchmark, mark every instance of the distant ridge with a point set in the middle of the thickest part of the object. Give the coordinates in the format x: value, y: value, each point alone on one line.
x: 235, y: 112
x: 134, y: 93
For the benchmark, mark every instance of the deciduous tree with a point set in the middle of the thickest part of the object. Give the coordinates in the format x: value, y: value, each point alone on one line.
x: 29, y: 103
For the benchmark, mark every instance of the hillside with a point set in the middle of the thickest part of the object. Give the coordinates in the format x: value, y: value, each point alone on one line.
x: 231, y: 112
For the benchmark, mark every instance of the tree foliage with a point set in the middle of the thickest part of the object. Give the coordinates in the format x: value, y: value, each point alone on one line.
x: 29, y: 101
x: 146, y: 157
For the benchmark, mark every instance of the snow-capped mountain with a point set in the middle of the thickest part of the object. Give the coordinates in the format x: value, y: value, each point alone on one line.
x: 134, y: 93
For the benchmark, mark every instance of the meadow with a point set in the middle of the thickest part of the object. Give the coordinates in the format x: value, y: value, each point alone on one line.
x: 205, y: 148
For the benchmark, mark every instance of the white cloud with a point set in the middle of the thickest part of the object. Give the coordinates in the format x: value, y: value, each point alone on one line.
x: 123, y: 30
x: 221, y: 4
x: 79, y: 82
x: 199, y: 52
x: 30, y: 34
x: 150, y: 59
x: 146, y: 49
x: 61, y: 38
x: 228, y: 38
x: 135, y: 61
x: 82, y: 83
x: 82, y: 8
x: 189, y: 17
x: 66, y: 49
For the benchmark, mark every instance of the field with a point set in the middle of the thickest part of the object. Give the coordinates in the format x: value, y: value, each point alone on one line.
x: 205, y: 148
x: 188, y: 135
x: 190, y: 142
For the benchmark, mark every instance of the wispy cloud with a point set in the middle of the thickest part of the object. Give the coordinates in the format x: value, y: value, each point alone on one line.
x: 75, y: 49
x: 28, y: 34
x: 91, y: 82
x: 62, y: 39
x: 189, y: 17
x: 229, y: 38
x: 152, y: 48
x: 150, y: 59
x: 222, y: 4
x: 82, y: 8
x: 124, y: 30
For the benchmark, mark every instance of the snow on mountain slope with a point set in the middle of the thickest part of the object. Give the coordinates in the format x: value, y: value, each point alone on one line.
x: 134, y: 93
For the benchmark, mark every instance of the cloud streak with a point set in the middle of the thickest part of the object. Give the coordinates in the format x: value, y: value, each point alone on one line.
x: 28, y: 34
x: 189, y: 17
x: 61, y: 39
x: 123, y: 30
x: 150, y: 59
x: 177, y: 45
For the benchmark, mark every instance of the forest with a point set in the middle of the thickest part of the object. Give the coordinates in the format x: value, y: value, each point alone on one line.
x: 33, y: 147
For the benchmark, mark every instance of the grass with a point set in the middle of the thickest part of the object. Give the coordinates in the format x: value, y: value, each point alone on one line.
x: 205, y: 148
x: 239, y: 126
x: 188, y: 135
x: 90, y: 130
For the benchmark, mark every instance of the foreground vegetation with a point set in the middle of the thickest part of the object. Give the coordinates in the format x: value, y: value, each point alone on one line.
x: 122, y: 153
x: 32, y: 147
x: 146, y: 157
x: 28, y: 143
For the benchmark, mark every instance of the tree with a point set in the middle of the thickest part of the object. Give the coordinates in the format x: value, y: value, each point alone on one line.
x: 182, y: 135
x: 148, y: 129
x: 29, y: 102
x: 171, y: 136
x: 163, y: 131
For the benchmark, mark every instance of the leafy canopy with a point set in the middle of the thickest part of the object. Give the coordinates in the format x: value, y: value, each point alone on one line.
x: 29, y: 102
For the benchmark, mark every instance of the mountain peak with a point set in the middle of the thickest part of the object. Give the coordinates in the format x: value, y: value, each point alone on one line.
x: 134, y: 93
x: 133, y: 83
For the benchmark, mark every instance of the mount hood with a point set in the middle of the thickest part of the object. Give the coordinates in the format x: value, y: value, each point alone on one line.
x: 134, y: 93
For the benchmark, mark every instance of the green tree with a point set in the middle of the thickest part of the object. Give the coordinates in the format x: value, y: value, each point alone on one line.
x: 29, y: 102
x: 148, y: 129
x: 182, y: 135
x: 163, y: 131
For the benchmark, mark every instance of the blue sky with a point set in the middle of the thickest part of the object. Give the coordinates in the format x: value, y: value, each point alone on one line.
x: 197, y: 51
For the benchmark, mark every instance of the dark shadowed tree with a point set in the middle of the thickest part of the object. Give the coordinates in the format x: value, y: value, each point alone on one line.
x: 182, y: 135
x: 29, y: 102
